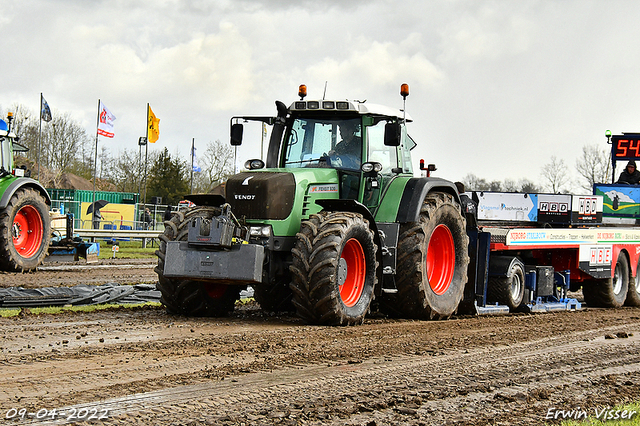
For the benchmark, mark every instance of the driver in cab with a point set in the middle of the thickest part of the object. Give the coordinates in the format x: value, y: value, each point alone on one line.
x: 348, y: 151
x: 630, y: 175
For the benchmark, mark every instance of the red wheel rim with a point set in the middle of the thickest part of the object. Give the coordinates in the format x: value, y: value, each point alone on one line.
x: 215, y: 291
x: 351, y: 281
x: 441, y: 259
x: 27, y: 231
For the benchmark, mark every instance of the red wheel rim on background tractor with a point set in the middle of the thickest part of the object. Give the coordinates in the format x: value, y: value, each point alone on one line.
x: 353, y: 285
x: 27, y: 231
x: 441, y: 259
x: 215, y: 291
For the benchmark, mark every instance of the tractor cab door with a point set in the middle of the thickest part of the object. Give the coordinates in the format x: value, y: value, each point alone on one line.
x: 6, y: 156
x: 387, y: 156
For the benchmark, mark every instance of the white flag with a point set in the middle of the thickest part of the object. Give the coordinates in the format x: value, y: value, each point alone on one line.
x: 194, y: 161
x: 105, y: 121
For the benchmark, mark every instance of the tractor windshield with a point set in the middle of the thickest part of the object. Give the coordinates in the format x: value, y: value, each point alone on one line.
x: 313, y: 142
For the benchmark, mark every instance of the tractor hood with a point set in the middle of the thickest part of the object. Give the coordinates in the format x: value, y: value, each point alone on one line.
x: 273, y: 194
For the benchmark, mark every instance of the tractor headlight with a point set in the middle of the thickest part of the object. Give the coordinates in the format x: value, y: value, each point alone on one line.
x: 372, y: 167
x: 260, y: 231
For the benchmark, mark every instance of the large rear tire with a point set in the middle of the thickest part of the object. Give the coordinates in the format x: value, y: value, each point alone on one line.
x: 612, y: 292
x: 334, y: 269
x: 25, y: 231
x: 192, y: 297
x: 432, y: 262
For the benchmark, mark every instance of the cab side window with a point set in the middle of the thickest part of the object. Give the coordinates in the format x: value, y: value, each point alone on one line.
x: 378, y: 151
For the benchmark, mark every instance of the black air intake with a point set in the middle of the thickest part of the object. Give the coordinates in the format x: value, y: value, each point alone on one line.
x: 261, y: 195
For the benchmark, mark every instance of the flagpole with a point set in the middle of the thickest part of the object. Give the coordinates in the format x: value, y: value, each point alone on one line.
x: 146, y: 156
x: 39, y: 138
x: 95, y: 166
x: 193, y: 142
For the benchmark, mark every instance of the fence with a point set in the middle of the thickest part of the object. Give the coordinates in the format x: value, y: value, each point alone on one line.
x: 157, y: 216
x: 120, y: 229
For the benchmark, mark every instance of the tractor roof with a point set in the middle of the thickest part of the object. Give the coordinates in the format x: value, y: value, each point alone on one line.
x: 361, y: 108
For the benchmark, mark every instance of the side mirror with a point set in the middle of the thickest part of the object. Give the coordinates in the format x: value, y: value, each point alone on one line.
x: 392, y: 133
x: 236, y: 134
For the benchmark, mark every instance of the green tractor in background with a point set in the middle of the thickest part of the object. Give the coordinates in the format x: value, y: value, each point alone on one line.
x: 332, y: 224
x: 25, y: 227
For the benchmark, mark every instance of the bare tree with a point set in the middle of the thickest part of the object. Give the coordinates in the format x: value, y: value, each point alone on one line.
x: 556, y: 175
x: 126, y: 170
x: 594, y: 166
x: 69, y: 139
x: 216, y: 164
x: 474, y: 183
x: 527, y: 186
x: 56, y: 144
x: 510, y: 185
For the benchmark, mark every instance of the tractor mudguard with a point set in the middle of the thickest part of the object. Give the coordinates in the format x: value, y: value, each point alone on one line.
x: 499, y: 266
x: 18, y: 183
x: 414, y: 192
x: 357, y: 207
x: 353, y: 206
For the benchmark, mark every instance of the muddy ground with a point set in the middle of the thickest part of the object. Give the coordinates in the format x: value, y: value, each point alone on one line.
x: 142, y: 366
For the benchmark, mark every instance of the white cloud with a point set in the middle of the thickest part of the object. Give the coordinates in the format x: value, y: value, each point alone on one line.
x: 496, y: 87
x: 377, y: 64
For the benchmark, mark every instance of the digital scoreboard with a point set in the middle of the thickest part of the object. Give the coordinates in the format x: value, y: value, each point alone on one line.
x: 625, y: 146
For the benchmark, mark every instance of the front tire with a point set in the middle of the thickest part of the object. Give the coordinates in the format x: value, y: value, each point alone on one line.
x: 432, y: 262
x: 612, y: 292
x: 25, y: 231
x: 334, y: 269
x: 192, y: 297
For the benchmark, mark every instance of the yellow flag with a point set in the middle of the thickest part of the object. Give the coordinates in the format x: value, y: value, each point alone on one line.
x: 153, y: 126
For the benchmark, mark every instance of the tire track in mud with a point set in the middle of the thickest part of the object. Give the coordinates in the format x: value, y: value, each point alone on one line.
x: 479, y: 385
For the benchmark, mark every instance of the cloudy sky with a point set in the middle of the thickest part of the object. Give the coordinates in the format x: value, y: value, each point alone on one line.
x: 497, y: 87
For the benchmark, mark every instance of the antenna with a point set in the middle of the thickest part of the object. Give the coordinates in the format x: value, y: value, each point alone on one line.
x: 325, y: 90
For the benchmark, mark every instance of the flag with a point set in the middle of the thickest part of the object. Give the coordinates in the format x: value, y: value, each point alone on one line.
x: 45, y: 111
x: 194, y: 160
x: 105, y: 121
x: 153, y: 131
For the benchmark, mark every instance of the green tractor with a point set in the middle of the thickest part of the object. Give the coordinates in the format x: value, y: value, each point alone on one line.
x: 332, y: 225
x: 25, y: 227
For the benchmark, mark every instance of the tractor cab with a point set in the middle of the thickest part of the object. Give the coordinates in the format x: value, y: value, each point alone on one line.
x: 366, y: 144
x: 8, y: 145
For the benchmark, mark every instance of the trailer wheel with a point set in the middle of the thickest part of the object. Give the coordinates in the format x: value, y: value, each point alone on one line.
x: 633, y: 295
x: 612, y: 292
x: 334, y: 269
x: 192, y: 297
x: 25, y: 231
x: 508, y: 290
x: 432, y: 262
